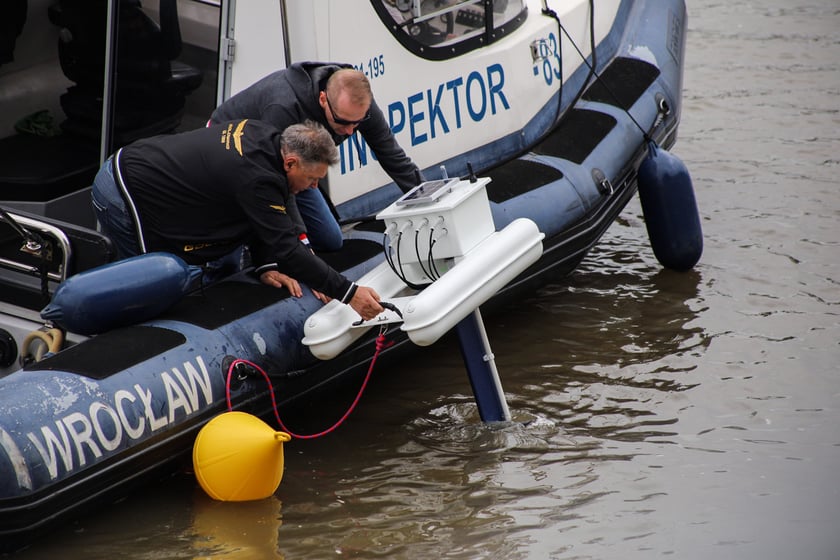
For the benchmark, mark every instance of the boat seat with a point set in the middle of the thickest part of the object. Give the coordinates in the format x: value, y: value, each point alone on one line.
x: 151, y: 96
x: 67, y: 249
x: 11, y: 25
x: 152, y: 85
x: 41, y: 168
x: 183, y: 77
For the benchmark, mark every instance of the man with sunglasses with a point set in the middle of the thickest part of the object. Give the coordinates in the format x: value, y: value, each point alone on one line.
x: 338, y: 97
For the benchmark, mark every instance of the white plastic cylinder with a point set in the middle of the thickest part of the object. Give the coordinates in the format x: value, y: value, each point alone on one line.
x: 476, y: 277
x: 485, y: 270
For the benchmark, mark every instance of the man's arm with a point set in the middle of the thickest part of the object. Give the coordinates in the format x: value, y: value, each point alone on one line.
x: 276, y: 246
x: 294, y: 214
x: 364, y: 300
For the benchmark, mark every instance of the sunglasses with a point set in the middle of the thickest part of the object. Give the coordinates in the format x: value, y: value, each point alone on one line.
x: 344, y: 122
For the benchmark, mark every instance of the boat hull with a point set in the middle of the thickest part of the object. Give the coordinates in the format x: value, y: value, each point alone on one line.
x: 85, y: 425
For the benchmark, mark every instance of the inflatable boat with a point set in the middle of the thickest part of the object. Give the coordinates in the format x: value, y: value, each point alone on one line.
x: 533, y: 122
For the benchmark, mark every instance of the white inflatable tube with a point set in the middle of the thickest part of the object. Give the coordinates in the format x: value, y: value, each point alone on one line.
x: 485, y: 270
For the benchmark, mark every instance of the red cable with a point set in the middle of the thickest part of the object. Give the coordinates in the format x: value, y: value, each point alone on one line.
x: 380, y: 345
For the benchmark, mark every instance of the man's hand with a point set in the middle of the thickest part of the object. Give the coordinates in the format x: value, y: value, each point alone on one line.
x: 280, y: 280
x: 365, y: 302
x: 324, y: 298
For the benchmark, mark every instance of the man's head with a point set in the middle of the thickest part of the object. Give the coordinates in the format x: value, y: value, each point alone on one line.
x: 346, y: 100
x: 307, y: 150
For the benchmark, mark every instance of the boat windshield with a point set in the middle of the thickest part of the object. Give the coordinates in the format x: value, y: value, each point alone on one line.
x: 439, y: 29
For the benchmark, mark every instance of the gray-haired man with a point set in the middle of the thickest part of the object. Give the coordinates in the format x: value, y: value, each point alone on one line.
x: 203, y: 194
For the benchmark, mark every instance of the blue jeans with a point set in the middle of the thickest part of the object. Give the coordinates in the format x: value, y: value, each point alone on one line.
x: 114, y: 217
x: 323, y: 231
x: 115, y: 221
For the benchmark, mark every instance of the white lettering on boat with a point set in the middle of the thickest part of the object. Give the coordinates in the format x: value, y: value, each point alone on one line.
x: 71, y: 441
x: 17, y: 460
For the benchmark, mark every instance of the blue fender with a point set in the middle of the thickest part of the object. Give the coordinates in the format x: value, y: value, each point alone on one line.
x: 670, y: 210
x: 120, y: 293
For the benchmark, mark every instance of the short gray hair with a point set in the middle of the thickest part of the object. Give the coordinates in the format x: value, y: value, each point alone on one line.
x: 310, y: 142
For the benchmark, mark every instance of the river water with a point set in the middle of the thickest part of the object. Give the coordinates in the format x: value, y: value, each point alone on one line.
x: 659, y: 414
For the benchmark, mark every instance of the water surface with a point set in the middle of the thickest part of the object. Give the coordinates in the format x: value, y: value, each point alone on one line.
x: 659, y: 414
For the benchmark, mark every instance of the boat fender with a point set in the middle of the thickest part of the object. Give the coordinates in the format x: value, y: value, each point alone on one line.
x: 120, y: 293
x: 670, y: 210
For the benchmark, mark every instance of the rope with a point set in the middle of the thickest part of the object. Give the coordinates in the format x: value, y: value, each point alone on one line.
x: 592, y: 72
x: 381, y: 344
x: 52, y: 340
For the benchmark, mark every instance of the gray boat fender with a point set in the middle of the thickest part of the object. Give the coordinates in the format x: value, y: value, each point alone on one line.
x: 670, y: 210
x: 120, y: 293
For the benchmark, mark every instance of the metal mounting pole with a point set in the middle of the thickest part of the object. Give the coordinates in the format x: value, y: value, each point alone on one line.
x: 481, y: 368
x: 112, y: 22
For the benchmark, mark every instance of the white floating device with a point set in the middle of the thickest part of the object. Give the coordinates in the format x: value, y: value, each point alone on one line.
x: 435, y: 222
x: 441, y: 233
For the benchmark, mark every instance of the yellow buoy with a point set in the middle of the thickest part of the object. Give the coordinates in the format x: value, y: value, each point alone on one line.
x: 238, y: 457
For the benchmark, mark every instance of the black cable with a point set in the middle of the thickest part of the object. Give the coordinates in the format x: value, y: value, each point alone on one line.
x: 551, y: 13
x: 399, y: 260
x: 392, y: 307
x: 385, y: 305
x: 399, y: 273
x: 432, y: 260
x: 386, y: 248
x: 417, y: 252
x: 399, y: 263
x: 429, y: 258
x: 43, y: 274
x: 593, y: 65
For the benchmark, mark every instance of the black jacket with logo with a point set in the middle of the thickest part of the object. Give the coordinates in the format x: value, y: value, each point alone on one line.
x: 200, y: 194
x: 290, y: 96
